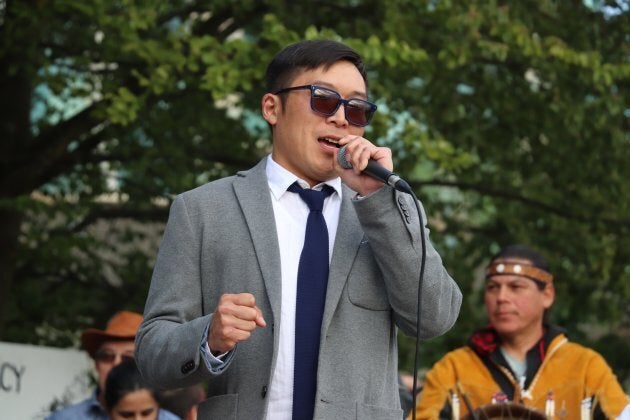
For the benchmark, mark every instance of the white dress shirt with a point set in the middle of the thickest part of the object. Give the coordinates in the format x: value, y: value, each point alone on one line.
x: 291, y: 214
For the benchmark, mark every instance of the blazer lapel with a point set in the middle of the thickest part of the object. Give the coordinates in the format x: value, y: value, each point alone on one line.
x: 347, y: 241
x: 252, y: 192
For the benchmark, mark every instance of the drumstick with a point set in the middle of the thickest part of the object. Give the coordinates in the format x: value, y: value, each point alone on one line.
x: 467, y: 402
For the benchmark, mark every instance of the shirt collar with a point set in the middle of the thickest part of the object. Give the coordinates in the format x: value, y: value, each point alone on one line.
x: 94, y: 404
x: 280, y: 179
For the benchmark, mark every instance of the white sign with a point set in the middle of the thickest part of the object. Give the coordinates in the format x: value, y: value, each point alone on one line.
x: 35, y: 379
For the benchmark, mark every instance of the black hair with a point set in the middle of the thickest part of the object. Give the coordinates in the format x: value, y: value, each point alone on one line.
x: 308, y: 55
x: 122, y: 380
x: 526, y: 253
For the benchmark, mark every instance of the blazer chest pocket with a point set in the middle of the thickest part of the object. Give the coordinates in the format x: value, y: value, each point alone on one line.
x: 366, y: 288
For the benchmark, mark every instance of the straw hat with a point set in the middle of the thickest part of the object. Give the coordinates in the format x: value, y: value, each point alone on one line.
x: 122, y: 326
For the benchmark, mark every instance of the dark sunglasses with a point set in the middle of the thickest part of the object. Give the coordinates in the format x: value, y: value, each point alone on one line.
x: 107, y: 356
x: 326, y: 102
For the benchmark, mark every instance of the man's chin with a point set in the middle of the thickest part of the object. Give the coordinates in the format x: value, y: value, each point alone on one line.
x: 505, y: 329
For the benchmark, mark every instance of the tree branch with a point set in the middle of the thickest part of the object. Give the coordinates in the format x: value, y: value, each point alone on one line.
x: 50, y: 147
x: 114, y: 211
x: 507, y: 195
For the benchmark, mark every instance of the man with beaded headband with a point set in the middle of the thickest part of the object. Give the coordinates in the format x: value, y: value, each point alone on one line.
x: 520, y: 358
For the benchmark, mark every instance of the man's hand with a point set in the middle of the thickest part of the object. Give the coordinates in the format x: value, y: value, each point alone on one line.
x: 358, y: 151
x: 234, y: 319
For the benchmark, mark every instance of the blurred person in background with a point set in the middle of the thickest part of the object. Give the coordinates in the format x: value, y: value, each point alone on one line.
x: 127, y: 396
x: 519, y: 357
x: 108, y: 348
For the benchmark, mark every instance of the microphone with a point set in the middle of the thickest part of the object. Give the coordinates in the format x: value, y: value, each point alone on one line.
x: 376, y: 171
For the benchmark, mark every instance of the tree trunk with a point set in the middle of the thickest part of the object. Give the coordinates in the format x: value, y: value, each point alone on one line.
x: 10, y: 221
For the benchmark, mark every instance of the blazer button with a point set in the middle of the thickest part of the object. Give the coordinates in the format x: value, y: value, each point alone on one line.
x: 263, y: 391
x: 188, y: 366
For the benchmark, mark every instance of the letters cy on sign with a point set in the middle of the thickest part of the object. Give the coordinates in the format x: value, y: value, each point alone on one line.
x: 10, y: 377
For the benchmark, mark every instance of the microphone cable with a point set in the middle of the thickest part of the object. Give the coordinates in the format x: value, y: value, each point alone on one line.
x: 418, y: 317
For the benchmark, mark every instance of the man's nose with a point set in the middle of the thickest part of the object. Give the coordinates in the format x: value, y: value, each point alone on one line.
x: 339, y: 117
x: 502, y: 293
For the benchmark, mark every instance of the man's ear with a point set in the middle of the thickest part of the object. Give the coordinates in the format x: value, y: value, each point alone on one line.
x: 271, y: 107
x: 549, y: 294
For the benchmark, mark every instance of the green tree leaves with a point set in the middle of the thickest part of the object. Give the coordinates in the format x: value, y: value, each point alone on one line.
x: 509, y: 119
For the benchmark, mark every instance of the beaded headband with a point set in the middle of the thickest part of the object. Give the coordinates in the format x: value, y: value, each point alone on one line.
x: 528, y: 271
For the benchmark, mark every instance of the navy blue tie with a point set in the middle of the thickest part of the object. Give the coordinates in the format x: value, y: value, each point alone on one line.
x: 312, y: 280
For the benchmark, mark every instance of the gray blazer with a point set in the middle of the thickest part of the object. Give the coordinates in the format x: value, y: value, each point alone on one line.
x: 221, y: 238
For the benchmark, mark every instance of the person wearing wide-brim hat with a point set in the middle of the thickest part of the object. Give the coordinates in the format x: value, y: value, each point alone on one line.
x: 108, y: 348
x: 121, y: 328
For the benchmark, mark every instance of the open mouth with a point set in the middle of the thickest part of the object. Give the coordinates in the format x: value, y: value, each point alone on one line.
x: 329, y: 141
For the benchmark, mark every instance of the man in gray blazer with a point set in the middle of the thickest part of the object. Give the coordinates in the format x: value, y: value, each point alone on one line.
x: 222, y: 305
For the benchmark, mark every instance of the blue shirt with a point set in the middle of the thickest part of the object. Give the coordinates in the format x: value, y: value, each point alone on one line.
x: 91, y: 409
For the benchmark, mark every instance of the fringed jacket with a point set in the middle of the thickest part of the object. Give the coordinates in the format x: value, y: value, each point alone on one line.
x: 561, y: 376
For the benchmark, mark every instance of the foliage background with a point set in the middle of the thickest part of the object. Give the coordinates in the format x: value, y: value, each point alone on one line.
x: 509, y: 119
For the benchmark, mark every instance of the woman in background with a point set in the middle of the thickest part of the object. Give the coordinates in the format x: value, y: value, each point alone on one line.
x: 127, y: 396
